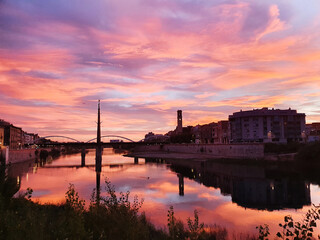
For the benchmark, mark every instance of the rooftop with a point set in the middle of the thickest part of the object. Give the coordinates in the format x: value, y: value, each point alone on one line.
x: 265, y: 112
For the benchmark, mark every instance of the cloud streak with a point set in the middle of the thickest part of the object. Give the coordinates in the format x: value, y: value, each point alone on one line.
x: 146, y: 59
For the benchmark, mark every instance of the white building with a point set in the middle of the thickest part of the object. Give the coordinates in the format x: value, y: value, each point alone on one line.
x: 267, y: 125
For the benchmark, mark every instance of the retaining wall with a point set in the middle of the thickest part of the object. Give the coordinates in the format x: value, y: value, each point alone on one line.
x: 147, y: 148
x: 21, y: 155
x: 248, y: 151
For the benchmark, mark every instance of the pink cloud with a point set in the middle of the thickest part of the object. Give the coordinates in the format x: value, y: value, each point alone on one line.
x: 146, y: 60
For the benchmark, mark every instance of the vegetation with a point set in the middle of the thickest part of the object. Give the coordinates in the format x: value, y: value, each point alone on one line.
x: 276, y: 148
x: 292, y: 230
x: 195, y: 230
x: 182, y: 138
x: 111, y: 218
x: 310, y: 153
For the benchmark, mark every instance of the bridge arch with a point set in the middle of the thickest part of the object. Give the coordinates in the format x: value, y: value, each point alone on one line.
x: 57, y: 137
x: 116, y: 136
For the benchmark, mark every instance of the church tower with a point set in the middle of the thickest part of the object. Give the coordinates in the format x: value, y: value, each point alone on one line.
x: 179, y: 121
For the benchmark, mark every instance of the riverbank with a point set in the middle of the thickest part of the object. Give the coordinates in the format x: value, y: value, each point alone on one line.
x: 207, y: 157
x: 10, y: 156
x: 273, y: 153
x: 16, y: 156
x: 170, y: 155
x: 213, y: 151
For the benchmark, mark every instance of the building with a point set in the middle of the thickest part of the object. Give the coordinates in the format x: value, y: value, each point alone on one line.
x: 207, y: 132
x: 313, y: 128
x: 313, y: 132
x: 1, y: 136
x: 267, y: 125
x: 151, y: 137
x: 180, y: 134
x: 316, y: 126
x: 13, y: 136
x: 4, y: 125
x: 29, y: 138
x: 204, y: 133
x: 222, y: 132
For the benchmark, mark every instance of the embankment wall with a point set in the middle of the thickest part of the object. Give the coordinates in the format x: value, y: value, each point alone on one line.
x: 21, y: 155
x: 251, y: 151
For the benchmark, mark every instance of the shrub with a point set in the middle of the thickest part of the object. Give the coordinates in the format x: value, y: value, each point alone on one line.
x: 73, y: 200
x: 263, y: 232
x: 300, y: 230
x: 115, y: 217
x: 310, y: 153
x: 195, y: 230
x: 175, y: 227
x: 276, y: 148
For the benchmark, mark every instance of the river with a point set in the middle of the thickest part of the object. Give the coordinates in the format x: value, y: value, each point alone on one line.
x: 238, y: 197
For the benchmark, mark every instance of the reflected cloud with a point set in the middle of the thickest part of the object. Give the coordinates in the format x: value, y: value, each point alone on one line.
x: 222, y: 193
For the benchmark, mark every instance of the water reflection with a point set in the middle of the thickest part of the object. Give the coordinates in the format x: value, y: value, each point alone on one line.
x: 249, y: 186
x: 227, y: 194
x: 98, y: 188
x: 181, y: 184
x: 8, y: 185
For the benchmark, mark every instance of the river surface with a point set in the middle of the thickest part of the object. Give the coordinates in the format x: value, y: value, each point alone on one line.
x: 237, y: 197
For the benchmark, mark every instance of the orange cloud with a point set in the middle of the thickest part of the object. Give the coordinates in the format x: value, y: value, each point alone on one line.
x: 144, y: 65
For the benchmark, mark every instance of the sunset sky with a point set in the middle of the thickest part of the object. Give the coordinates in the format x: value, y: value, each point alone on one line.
x: 145, y: 59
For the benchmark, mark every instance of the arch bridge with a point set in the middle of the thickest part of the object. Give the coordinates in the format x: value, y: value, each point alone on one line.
x: 77, y: 141
x: 111, y: 136
x: 56, y: 136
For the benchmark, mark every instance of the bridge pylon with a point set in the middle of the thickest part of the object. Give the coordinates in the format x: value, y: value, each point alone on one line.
x: 83, y: 157
x: 98, y: 155
x: 99, y: 146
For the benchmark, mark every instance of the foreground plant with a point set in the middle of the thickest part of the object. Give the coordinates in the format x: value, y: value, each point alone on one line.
x: 263, y: 232
x: 73, y: 200
x: 114, y: 216
x: 195, y: 230
x: 300, y: 230
x: 292, y: 230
